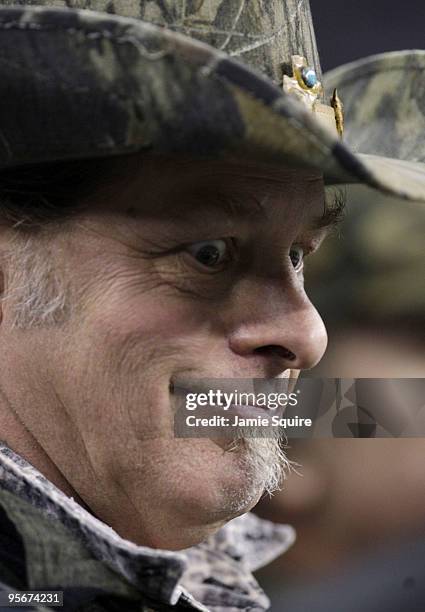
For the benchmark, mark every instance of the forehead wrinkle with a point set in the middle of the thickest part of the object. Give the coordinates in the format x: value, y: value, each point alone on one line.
x: 240, y: 179
x: 204, y: 203
x: 242, y: 206
x: 231, y: 194
x: 186, y: 179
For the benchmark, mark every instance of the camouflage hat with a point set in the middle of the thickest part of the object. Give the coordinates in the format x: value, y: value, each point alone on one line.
x: 91, y: 78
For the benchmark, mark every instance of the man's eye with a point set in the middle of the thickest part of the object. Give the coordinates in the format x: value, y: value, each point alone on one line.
x: 211, y: 253
x: 296, y: 255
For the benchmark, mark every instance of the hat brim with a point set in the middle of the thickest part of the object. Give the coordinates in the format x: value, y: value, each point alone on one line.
x: 81, y: 84
x: 384, y: 103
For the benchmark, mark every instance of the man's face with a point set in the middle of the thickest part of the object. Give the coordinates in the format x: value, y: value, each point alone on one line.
x: 183, y: 270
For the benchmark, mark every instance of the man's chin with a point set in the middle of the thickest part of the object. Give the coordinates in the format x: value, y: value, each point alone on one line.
x: 264, y: 461
x: 259, y: 466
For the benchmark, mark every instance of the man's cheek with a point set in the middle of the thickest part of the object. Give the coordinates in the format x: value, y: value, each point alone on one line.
x: 145, y: 339
x: 157, y: 318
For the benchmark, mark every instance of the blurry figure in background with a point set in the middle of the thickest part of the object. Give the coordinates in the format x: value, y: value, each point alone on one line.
x: 357, y: 498
x: 376, y: 315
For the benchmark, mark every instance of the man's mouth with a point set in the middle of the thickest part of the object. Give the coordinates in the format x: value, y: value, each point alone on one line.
x: 230, y: 397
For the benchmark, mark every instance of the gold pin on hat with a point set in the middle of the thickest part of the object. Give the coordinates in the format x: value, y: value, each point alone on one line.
x: 305, y: 85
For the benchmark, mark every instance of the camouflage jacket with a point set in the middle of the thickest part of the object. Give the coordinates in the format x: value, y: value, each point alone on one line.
x: 49, y: 542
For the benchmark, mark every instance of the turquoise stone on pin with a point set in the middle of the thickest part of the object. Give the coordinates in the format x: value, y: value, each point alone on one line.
x: 309, y: 77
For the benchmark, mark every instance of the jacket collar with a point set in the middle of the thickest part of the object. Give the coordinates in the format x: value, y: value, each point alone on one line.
x: 217, y: 571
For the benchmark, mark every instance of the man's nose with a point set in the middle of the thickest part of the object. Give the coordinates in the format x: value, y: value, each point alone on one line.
x: 284, y: 328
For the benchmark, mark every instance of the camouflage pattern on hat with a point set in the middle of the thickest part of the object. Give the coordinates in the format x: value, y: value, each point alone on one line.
x: 262, y: 33
x: 85, y: 84
x: 384, y: 103
x: 81, y: 84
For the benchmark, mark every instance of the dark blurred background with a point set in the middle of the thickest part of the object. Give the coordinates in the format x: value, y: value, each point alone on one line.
x: 347, y: 30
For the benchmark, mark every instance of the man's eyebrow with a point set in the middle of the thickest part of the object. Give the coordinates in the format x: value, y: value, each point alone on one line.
x: 334, y: 209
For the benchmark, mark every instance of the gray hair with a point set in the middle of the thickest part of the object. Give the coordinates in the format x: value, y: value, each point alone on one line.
x: 266, y: 460
x: 36, y: 204
x: 35, y: 289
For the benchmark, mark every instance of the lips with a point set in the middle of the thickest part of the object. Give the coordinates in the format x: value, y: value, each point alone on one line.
x: 204, y: 397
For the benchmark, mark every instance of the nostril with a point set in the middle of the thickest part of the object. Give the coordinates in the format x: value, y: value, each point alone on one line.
x: 276, y: 350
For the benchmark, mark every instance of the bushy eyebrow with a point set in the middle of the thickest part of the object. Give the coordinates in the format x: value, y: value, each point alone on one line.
x: 334, y: 209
